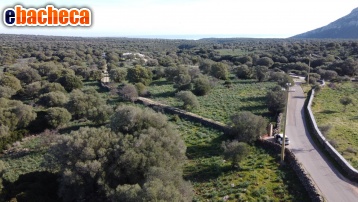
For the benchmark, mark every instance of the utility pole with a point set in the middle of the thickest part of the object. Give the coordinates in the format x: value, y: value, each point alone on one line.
x: 309, y: 70
x: 284, y: 126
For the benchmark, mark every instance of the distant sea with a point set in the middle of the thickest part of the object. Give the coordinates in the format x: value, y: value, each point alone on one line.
x: 197, y: 37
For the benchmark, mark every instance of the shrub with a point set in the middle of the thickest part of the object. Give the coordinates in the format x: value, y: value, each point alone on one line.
x: 128, y: 93
x: 248, y: 127
x: 57, y: 117
x: 201, y: 85
x: 189, y: 99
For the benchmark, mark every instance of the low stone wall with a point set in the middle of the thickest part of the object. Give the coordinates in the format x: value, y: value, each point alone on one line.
x: 350, y: 172
x: 291, y: 160
x: 183, y: 114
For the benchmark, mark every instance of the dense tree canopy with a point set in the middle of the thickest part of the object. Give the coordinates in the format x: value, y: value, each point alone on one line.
x: 136, y: 162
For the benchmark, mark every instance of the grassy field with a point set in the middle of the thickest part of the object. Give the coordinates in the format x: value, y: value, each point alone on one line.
x: 260, y: 178
x: 221, y: 102
x: 328, y: 112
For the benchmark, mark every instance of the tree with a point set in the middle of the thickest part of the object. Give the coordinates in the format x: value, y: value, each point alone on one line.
x: 57, y: 116
x: 128, y: 92
x: 235, y: 151
x: 100, y: 114
x: 53, y: 99
x: 220, y: 70
x: 15, y: 114
x: 141, y: 89
x: 281, y: 78
x: 201, y: 85
x: 129, y: 119
x: 247, y: 127
x: 265, y: 61
x: 188, y: 98
x: 28, y: 75
x: 172, y: 72
x: 313, y: 78
x: 139, y: 163
x: 70, y: 82
x: 205, y: 66
x: 276, y: 100
x: 261, y: 73
x: 118, y: 75
x: 243, y: 72
x: 52, y: 87
x: 81, y: 103
x: 6, y: 92
x: 329, y: 75
x: 10, y: 81
x: 182, y: 82
x: 139, y: 74
x: 32, y: 90
x: 345, y: 101
x: 349, y: 67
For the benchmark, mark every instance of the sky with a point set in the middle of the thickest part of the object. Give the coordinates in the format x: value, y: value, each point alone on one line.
x: 191, y: 19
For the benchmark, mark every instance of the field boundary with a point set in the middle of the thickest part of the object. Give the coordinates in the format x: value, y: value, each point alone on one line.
x: 351, y: 172
x: 291, y: 159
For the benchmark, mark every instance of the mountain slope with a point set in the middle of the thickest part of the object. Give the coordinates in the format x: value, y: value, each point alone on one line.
x: 343, y: 28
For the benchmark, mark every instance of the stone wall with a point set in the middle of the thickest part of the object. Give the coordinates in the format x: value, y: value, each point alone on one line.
x: 350, y: 172
x: 183, y: 114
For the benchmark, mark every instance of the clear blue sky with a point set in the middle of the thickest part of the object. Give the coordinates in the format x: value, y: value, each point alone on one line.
x: 240, y: 18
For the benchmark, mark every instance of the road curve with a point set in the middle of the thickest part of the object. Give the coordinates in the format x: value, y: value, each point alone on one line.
x: 333, y: 186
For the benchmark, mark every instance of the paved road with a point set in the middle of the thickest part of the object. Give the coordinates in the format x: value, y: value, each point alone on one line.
x: 334, y: 187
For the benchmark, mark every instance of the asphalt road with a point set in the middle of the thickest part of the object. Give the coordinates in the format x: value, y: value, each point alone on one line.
x: 333, y: 186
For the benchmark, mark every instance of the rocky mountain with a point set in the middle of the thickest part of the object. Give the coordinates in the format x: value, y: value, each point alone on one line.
x: 343, y: 28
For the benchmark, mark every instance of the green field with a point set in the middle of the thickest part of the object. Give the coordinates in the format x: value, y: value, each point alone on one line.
x: 221, y: 102
x: 260, y: 178
x: 344, y: 124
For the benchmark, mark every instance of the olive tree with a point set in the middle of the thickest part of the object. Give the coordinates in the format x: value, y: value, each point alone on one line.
x: 201, y: 85
x: 128, y: 92
x: 220, y: 70
x: 57, y: 117
x: 235, y: 151
x: 247, y: 127
x: 53, y: 99
x: 188, y: 98
x: 276, y: 100
x: 141, y: 161
x: 118, y: 74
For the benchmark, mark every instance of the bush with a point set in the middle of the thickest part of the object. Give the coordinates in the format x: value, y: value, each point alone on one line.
x: 118, y: 74
x: 220, y: 70
x: 70, y: 82
x: 57, y: 117
x: 141, y: 89
x: 128, y: 93
x: 276, y: 100
x: 235, y: 151
x: 201, y: 85
x: 248, y: 127
x: 188, y: 98
x: 139, y: 74
x: 53, y: 99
